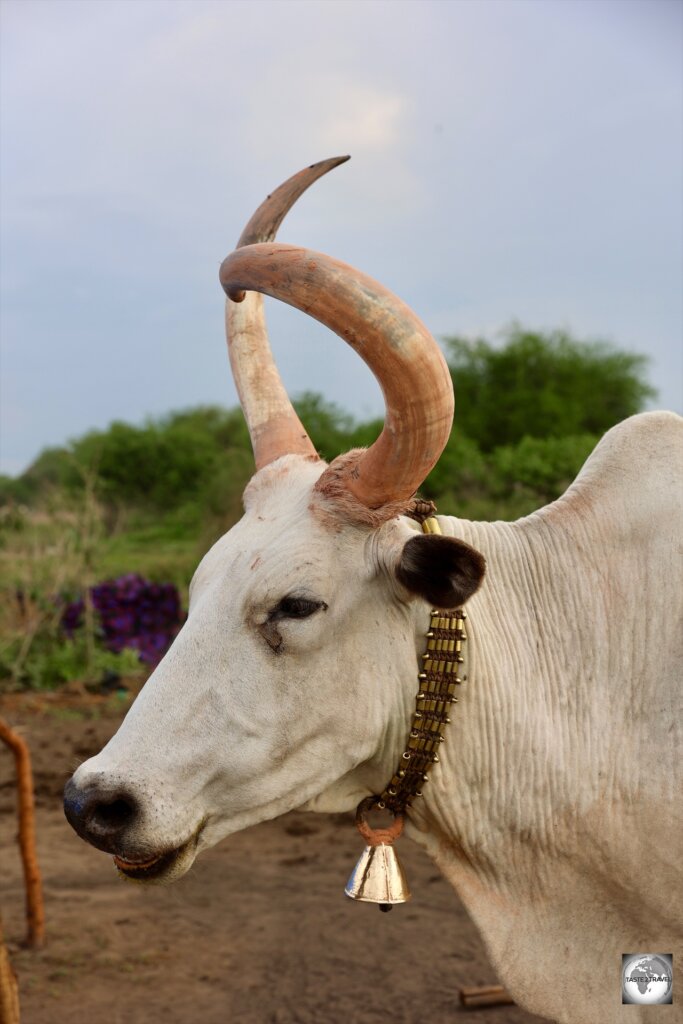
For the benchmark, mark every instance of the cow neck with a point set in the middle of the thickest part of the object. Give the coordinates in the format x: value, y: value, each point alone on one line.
x: 440, y: 676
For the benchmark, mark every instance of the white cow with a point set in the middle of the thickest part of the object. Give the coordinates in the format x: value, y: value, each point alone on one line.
x: 555, y: 811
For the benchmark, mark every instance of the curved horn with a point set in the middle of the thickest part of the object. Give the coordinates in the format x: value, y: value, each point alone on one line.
x: 388, y: 336
x: 274, y: 427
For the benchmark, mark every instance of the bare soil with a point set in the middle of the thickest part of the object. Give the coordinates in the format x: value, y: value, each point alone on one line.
x: 259, y: 932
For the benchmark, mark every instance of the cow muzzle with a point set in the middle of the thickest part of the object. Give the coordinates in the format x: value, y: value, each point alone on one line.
x: 111, y: 820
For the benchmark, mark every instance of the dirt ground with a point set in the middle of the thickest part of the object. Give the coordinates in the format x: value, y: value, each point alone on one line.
x: 259, y: 932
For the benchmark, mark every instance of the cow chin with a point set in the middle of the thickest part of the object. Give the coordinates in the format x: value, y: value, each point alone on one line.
x: 161, y: 868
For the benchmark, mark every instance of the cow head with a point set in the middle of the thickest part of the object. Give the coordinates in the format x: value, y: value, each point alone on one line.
x: 293, y: 679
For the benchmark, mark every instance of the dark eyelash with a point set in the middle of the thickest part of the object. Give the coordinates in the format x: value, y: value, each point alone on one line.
x: 296, y: 608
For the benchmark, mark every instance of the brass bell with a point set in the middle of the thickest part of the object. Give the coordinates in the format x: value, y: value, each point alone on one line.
x: 378, y: 878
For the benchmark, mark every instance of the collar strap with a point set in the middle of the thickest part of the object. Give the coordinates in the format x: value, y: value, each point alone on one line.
x: 440, y: 676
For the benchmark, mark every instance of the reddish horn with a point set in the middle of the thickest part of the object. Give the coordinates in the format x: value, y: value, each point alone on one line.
x: 388, y: 336
x: 274, y: 427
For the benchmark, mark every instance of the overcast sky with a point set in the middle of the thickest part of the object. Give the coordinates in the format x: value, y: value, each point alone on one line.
x: 511, y: 160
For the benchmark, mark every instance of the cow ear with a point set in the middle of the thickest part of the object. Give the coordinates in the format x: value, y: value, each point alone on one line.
x: 443, y: 570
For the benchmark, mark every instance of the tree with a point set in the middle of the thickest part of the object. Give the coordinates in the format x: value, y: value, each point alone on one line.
x: 542, y: 385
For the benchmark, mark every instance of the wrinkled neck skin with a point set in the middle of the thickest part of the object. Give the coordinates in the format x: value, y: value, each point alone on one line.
x: 546, y: 810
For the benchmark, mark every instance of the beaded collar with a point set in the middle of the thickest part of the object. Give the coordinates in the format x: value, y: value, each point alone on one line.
x: 440, y: 676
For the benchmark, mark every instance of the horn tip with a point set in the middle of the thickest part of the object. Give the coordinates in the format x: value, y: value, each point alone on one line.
x: 331, y: 162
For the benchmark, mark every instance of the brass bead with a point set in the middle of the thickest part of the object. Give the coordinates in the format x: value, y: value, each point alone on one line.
x: 429, y: 634
x: 422, y: 675
x: 425, y: 777
x: 401, y: 773
x: 418, y: 792
x: 435, y: 758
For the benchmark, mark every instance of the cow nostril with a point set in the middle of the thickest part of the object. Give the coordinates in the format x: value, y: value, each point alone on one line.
x: 113, y: 817
x: 100, y: 817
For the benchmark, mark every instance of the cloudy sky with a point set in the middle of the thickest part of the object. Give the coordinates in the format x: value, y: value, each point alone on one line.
x: 511, y: 160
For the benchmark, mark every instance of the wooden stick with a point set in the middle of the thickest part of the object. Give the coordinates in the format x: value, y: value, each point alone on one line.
x: 487, y: 995
x: 35, y: 913
x: 9, y: 995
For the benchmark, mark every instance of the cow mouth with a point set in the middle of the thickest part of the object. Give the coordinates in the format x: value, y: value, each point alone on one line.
x: 163, y: 867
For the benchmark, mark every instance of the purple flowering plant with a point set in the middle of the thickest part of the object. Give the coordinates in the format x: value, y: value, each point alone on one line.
x: 132, y: 612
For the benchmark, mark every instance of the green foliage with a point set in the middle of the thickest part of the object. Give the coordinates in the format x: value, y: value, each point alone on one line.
x: 542, y: 385
x: 166, y: 462
x: 158, y: 466
x: 328, y: 426
x: 544, y: 467
x: 151, y: 499
x: 509, y: 482
x: 332, y: 430
x: 53, y: 662
x: 461, y: 468
x: 13, y: 490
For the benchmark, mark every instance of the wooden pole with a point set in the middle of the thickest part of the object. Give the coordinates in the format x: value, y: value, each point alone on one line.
x: 9, y: 995
x: 488, y: 995
x: 35, y: 914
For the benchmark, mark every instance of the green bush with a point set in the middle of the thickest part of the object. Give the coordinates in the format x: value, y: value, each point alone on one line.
x: 542, y: 466
x: 461, y: 469
x: 542, y: 385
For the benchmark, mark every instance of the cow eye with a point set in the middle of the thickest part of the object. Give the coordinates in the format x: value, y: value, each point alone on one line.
x: 296, y: 608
